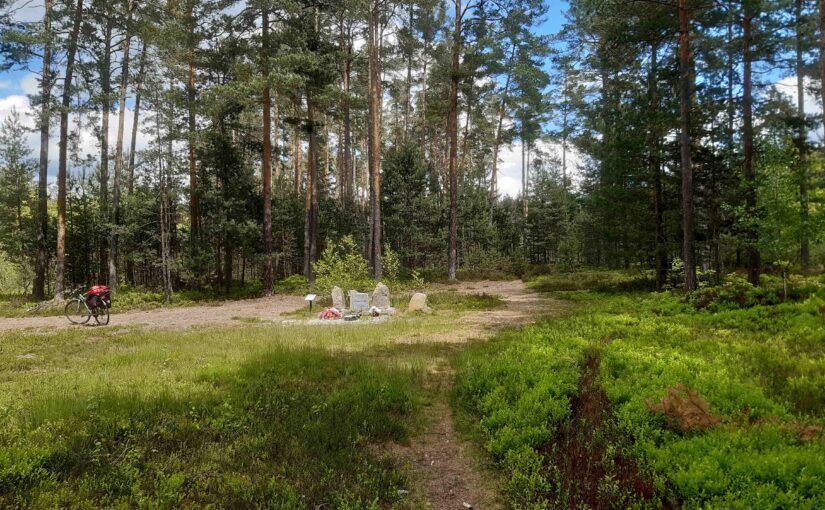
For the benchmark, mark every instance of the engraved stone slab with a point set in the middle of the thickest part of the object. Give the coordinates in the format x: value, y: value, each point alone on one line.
x: 359, y: 301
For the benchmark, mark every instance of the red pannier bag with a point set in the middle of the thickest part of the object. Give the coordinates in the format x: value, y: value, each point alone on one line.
x: 102, y: 293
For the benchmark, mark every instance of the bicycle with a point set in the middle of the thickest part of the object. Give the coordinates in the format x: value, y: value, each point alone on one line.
x: 81, y: 307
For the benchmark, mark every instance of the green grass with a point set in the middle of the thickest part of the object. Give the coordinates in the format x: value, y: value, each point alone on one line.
x: 259, y: 415
x: 761, y: 370
x: 268, y: 416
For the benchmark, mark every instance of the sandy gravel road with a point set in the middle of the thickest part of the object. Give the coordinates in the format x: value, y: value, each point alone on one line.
x: 522, y: 306
x: 178, y: 318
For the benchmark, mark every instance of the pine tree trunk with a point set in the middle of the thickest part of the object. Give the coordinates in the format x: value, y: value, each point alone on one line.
x: 136, y: 120
x: 822, y: 54
x: 130, y: 263
x: 327, y: 158
x: 502, y: 110
x: 296, y: 154
x: 408, y: 91
x: 121, y: 122
x: 194, y: 197
x: 105, y: 108
x: 266, y: 167
x: 62, y: 165
x: 452, y: 135
x: 523, y: 176
x: 374, y: 134
x: 42, y: 259
x: 656, y: 172
x: 425, y: 129
x: 685, y: 108
x: 347, y: 175
x: 753, y: 256
x: 310, y: 202
x: 163, y: 218
x: 564, y: 128
x: 802, y: 171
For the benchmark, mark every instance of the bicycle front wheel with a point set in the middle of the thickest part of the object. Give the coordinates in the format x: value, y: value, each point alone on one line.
x: 77, y: 312
x: 101, y: 314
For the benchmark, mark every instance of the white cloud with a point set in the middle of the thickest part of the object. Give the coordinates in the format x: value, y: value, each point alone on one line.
x: 509, y: 186
x: 26, y: 11
x: 30, y: 84
x: 787, y: 86
x: 8, y: 103
x: 509, y: 166
x: 23, y: 108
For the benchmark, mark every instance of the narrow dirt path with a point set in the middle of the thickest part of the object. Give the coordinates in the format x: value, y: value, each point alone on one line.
x: 448, y: 472
x: 177, y: 318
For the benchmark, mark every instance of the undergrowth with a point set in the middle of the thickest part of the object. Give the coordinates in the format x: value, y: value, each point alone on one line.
x: 600, y: 281
x: 757, y: 371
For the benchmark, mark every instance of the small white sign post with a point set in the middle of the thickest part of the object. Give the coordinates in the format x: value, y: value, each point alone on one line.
x: 310, y: 298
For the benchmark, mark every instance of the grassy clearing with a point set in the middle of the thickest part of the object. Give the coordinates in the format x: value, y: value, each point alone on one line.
x: 760, y: 370
x: 258, y: 416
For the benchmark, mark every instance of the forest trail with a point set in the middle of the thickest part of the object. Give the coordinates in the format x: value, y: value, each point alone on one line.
x: 177, y: 318
x: 447, y: 471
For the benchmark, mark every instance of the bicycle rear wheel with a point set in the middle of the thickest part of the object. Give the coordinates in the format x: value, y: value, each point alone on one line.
x: 77, y: 312
x: 101, y: 314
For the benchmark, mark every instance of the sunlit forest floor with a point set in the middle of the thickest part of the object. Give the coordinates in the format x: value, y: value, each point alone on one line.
x: 616, y: 397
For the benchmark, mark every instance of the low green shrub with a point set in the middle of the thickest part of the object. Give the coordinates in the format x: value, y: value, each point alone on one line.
x: 760, y: 371
x: 595, y: 280
x: 342, y: 265
x: 736, y: 292
x: 293, y: 284
x: 520, y: 385
x: 482, y: 264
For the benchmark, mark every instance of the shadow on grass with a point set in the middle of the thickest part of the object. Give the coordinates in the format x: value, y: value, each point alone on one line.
x: 286, y: 430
